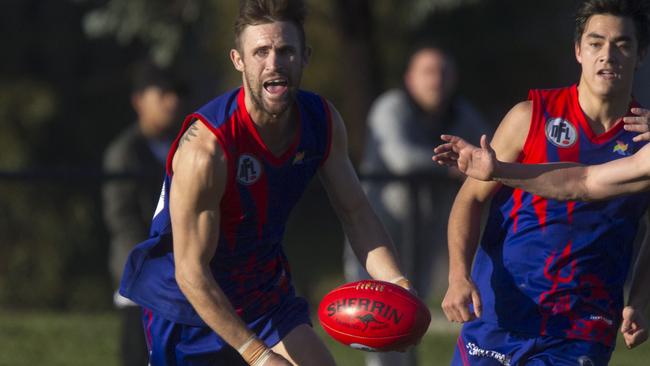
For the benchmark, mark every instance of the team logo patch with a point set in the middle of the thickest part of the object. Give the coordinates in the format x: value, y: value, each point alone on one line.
x: 621, y: 148
x: 561, y: 132
x: 299, y: 158
x: 249, y: 169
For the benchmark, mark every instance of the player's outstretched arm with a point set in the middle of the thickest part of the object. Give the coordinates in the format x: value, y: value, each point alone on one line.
x: 368, y: 238
x: 475, y: 162
x: 465, y: 219
x: 560, y: 181
x: 199, y: 168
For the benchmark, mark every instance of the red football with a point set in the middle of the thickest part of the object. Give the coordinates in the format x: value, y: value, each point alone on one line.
x: 374, y: 316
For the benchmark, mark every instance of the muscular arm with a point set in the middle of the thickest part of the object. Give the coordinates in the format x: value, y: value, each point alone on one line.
x: 368, y: 238
x: 464, y: 219
x: 560, y: 181
x: 198, y: 185
x: 567, y: 181
x: 199, y: 167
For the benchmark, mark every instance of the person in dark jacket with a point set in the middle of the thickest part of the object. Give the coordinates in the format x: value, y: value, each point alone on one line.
x: 139, y: 152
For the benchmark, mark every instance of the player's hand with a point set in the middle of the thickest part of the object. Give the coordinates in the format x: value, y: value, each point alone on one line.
x: 461, y: 294
x: 633, y: 327
x: 276, y: 360
x: 406, y: 284
x: 639, y: 123
x: 478, y: 163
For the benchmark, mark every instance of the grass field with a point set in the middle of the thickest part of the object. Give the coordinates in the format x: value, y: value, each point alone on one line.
x: 63, y: 339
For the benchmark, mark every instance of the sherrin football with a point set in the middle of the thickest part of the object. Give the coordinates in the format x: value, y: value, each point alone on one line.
x: 374, y: 316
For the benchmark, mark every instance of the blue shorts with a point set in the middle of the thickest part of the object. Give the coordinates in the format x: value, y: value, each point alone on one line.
x: 176, y: 344
x: 485, y: 344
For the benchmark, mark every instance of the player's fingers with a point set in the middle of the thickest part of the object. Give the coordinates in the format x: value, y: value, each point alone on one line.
x: 465, y: 313
x: 449, y: 138
x: 484, y: 142
x: 626, y: 325
x: 442, y: 148
x: 636, y: 127
x: 476, y: 301
x: 635, y: 338
x: 447, y: 158
x: 631, y: 120
x: 454, y: 309
x: 462, y: 165
x: 642, y: 137
x: 456, y: 141
x: 487, y: 146
x: 640, y: 111
x: 451, y: 313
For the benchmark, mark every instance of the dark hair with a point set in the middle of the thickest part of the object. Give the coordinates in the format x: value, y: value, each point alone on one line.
x: 637, y: 10
x: 254, y: 12
x: 145, y: 74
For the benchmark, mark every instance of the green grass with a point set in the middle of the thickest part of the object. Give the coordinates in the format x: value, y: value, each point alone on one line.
x: 57, y: 339
x: 54, y: 339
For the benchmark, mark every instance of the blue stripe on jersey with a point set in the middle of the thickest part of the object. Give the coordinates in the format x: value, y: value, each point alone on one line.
x: 249, y: 263
x: 558, y: 268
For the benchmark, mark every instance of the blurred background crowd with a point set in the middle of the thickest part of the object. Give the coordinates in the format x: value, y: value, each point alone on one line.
x: 69, y: 88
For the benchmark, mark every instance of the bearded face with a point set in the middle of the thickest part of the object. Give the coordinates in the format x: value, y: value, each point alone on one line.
x: 271, y: 61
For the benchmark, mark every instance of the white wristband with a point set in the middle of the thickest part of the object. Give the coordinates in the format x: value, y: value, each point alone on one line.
x: 397, y: 279
x: 263, y: 358
x: 244, y: 346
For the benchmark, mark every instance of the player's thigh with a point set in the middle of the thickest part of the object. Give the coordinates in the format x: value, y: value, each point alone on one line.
x: 304, y: 348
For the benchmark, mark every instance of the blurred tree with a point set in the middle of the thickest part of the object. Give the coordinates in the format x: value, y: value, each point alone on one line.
x: 157, y: 23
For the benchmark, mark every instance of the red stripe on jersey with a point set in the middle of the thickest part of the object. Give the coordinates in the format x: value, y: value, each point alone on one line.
x: 514, y: 213
x: 260, y: 192
x: 570, y: 206
x: 540, y: 204
x: 463, y: 352
x: 579, y: 115
x: 172, y: 150
x: 250, y: 126
x: 553, y: 302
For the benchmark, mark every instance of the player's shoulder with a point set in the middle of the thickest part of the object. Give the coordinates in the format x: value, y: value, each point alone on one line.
x: 198, y: 148
x: 220, y: 109
x: 512, y: 132
x: 519, y: 116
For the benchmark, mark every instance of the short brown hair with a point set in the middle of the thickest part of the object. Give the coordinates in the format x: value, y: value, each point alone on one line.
x: 637, y: 10
x: 254, y: 12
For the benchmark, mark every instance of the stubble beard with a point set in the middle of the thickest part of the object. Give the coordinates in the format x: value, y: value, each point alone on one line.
x: 257, y: 97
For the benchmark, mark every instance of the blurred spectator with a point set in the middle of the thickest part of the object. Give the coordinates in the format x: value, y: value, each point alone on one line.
x: 404, y: 125
x: 140, y: 150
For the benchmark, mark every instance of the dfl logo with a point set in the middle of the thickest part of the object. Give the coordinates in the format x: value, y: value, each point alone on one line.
x: 249, y: 169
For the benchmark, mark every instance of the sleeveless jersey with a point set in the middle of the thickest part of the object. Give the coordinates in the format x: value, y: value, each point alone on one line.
x: 546, y: 267
x: 249, y: 263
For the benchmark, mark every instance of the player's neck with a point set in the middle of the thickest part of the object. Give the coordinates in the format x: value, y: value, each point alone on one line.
x: 276, y: 131
x: 602, y: 112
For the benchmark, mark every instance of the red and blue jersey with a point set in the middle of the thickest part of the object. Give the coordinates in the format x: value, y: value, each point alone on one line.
x: 558, y: 268
x: 261, y: 189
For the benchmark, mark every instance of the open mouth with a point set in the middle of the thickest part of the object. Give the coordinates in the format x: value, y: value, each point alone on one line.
x: 276, y: 86
x: 607, y: 74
